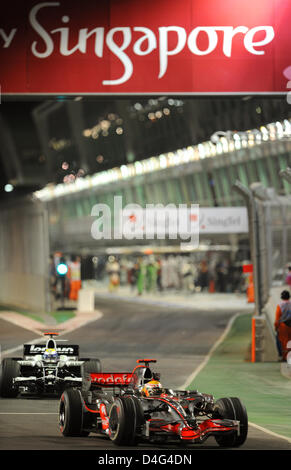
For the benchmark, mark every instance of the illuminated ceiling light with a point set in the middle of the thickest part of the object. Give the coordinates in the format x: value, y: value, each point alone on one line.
x: 138, y: 106
x: 166, y: 111
x: 258, y: 110
x: 272, y: 131
x: 8, y: 188
x: 138, y: 168
x: 191, y: 153
x: 237, y: 141
x: 151, y: 116
x: 159, y: 114
x: 251, y: 138
x: 119, y: 130
x: 212, y: 149
x: 171, y: 102
x: 265, y: 132
x: 124, y: 171
x: 201, y: 150
x: 279, y: 128
x: 163, y: 161
x: 219, y: 148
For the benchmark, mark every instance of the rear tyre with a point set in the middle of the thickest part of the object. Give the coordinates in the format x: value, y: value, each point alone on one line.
x: 124, y: 420
x: 93, y: 366
x: 10, y: 370
x: 232, y: 408
x: 71, y: 414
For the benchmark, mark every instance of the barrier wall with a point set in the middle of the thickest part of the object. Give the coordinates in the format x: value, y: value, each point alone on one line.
x: 24, y: 256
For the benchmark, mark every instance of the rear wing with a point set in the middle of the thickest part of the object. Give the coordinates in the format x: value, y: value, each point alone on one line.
x: 111, y: 379
x: 33, y: 349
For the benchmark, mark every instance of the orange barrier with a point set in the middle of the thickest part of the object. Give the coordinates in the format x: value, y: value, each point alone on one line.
x: 251, y: 290
x: 211, y: 286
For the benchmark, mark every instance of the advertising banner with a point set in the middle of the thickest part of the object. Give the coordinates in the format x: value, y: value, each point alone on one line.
x: 153, y: 47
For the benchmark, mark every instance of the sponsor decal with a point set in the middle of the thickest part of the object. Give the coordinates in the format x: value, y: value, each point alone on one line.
x: 41, y: 349
x: 107, y: 379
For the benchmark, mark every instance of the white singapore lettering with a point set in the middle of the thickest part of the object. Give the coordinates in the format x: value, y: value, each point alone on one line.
x: 7, y: 37
x: 142, y: 46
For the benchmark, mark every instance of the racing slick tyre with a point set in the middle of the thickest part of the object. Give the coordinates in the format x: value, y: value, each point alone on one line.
x: 232, y: 408
x: 125, y: 419
x: 71, y: 414
x: 93, y: 366
x: 10, y: 370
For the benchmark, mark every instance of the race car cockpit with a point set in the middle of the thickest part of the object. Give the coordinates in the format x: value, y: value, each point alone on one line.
x: 50, y: 354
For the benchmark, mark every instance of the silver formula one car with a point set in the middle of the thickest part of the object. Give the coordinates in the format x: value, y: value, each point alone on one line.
x: 129, y: 408
x: 47, y: 368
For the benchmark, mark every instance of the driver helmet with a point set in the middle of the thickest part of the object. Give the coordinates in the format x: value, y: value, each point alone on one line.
x: 152, y: 388
x: 50, y: 354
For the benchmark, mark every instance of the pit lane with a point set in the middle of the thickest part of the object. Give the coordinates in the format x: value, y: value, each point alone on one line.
x: 178, y: 338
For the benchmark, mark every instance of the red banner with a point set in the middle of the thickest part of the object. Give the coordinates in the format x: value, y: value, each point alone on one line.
x: 152, y: 46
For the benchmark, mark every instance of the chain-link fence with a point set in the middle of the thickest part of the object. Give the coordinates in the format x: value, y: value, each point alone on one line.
x: 270, y: 239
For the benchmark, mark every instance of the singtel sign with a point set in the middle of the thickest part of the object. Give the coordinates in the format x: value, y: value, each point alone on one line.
x: 119, y: 51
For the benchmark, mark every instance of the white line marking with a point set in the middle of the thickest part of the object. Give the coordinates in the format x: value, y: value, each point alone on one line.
x: 267, y: 431
x: 205, y: 361
x: 28, y: 413
x: 6, y: 352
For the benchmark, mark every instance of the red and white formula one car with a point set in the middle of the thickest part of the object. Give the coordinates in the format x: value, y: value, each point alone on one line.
x: 133, y: 407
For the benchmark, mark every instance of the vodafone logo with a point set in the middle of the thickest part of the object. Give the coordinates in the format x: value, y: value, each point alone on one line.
x: 111, y: 379
x: 124, y: 43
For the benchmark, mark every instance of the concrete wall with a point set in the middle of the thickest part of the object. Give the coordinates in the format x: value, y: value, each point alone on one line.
x: 24, y: 255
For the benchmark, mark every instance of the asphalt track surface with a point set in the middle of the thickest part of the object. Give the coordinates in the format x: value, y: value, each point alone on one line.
x: 178, y: 339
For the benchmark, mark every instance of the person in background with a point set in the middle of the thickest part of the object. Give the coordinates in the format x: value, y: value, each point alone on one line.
x: 74, y: 276
x: 203, y: 278
x: 132, y: 275
x: 282, y: 323
x: 151, y: 274
x: 159, y: 274
x: 113, y: 270
x: 141, y: 274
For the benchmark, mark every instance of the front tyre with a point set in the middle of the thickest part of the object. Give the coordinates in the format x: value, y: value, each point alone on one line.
x: 232, y: 408
x: 71, y: 414
x: 10, y: 370
x: 124, y: 421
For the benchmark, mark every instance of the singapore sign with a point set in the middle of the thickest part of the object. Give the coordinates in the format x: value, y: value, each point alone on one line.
x: 151, y: 47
